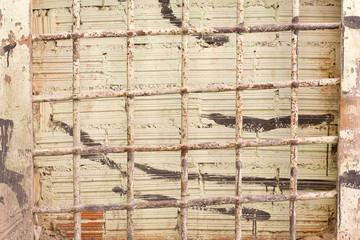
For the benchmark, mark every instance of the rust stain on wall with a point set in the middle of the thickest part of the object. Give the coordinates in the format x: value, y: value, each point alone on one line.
x: 7, y: 78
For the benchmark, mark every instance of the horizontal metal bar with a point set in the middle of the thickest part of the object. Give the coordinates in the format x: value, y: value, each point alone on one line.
x: 189, y: 31
x: 188, y: 204
x: 195, y: 89
x: 178, y: 147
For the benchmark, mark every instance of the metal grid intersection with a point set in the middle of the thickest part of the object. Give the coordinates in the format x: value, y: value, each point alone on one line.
x: 130, y: 93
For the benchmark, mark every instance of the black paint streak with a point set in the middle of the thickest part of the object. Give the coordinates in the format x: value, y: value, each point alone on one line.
x: 7, y: 50
x: 103, y: 159
x: 155, y: 197
x: 158, y: 174
x: 2, y: 200
x: 9, y: 177
x: 327, y: 153
x: 251, y: 124
x: 119, y: 190
x: 247, y: 213
x: 161, y: 173
x: 352, y: 22
x: 215, y: 40
x: 281, y: 183
x: 168, y: 13
x: 350, y: 179
x: 295, y: 20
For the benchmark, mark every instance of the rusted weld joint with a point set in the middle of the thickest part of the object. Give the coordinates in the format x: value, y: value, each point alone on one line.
x: 130, y: 94
x: 295, y: 84
x: 184, y: 147
x: 129, y: 33
x: 184, y: 90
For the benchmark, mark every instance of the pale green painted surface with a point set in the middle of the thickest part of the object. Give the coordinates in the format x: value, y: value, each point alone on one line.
x: 157, y: 64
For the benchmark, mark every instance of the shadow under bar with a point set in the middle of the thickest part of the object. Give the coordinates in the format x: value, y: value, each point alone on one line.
x: 189, y: 89
x: 188, y: 204
x: 189, y: 31
x: 178, y: 147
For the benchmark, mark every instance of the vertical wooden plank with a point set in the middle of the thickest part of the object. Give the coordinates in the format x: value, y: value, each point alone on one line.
x: 349, y: 143
x: 15, y: 121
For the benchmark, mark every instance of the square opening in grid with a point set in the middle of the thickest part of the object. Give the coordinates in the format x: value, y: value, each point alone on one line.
x: 157, y: 119
x: 102, y: 123
x: 211, y: 173
x: 157, y: 61
x: 157, y: 176
x: 217, y: 219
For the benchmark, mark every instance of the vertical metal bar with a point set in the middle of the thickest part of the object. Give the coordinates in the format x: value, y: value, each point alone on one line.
x: 76, y: 118
x: 239, y: 116
x: 130, y: 102
x: 184, y: 117
x: 294, y: 116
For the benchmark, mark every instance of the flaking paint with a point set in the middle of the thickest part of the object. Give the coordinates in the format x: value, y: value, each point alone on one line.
x: 15, y: 121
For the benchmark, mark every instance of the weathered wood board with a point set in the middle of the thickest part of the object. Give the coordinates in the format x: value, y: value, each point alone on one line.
x: 157, y: 118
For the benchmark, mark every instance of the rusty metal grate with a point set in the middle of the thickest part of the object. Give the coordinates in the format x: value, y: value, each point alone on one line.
x: 184, y: 203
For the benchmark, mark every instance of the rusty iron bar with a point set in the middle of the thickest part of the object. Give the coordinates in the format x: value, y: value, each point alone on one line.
x: 189, y: 31
x: 178, y: 147
x: 130, y: 104
x: 294, y: 123
x: 184, y: 90
x: 239, y: 117
x: 189, y: 203
x: 189, y: 89
x: 76, y: 119
x: 184, y: 118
